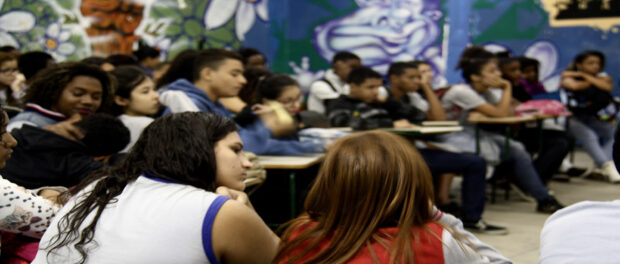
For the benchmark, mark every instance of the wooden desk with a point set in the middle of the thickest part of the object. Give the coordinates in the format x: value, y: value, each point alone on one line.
x: 512, y: 120
x: 289, y: 162
x: 440, y: 123
x: 292, y: 163
x: 477, y: 118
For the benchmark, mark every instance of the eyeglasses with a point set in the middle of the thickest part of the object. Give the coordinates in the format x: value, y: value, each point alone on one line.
x: 290, y: 101
x: 8, y: 71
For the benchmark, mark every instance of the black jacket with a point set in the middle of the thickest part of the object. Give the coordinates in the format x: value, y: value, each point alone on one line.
x: 42, y: 158
x: 348, y: 112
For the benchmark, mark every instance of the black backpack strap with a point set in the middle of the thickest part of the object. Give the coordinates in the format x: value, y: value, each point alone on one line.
x: 330, y: 84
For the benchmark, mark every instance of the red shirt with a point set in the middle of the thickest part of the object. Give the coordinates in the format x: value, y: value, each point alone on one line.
x: 428, y: 250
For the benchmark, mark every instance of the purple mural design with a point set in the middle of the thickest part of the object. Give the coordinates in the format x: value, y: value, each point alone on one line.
x: 386, y: 31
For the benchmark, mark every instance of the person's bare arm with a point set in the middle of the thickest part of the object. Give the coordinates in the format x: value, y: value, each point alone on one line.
x: 268, y: 116
x: 67, y: 128
x: 233, y: 104
x: 604, y: 83
x: 504, y: 107
x: 435, y: 109
x: 240, y: 235
x: 569, y: 81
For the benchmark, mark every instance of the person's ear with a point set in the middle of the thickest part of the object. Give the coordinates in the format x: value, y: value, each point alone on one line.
x: 476, y: 78
x: 206, y: 74
x: 121, y: 101
x: 394, y: 80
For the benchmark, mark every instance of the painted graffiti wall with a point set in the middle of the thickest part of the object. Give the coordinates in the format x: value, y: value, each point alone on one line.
x: 300, y: 37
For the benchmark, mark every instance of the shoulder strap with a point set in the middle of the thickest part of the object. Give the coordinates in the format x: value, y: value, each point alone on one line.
x: 330, y: 84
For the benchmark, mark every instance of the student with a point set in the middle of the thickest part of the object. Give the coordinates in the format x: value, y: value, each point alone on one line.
x: 480, y: 70
x: 176, y: 198
x: 254, y: 76
x: 366, y: 208
x: 585, y: 232
x: 280, y: 93
x: 523, y: 74
x: 556, y: 143
x: 181, y: 67
x: 218, y: 74
x: 8, y: 74
x: 44, y: 158
x: 253, y: 58
x: 361, y: 110
x: 160, y: 69
x: 333, y: 85
x: 589, y: 89
x: 405, y: 86
x: 534, y: 88
x: 30, y: 63
x: 62, y: 95
x: 23, y: 211
x: 148, y: 57
x: 135, y: 100
x: 408, y: 85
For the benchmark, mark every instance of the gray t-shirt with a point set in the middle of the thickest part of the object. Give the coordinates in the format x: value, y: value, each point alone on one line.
x: 461, y: 99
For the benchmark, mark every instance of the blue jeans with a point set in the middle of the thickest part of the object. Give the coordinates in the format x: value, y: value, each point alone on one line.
x: 596, y: 137
x: 472, y: 167
x: 521, y: 164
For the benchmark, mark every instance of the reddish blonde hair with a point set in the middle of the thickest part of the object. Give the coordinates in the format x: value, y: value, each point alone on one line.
x: 367, y: 181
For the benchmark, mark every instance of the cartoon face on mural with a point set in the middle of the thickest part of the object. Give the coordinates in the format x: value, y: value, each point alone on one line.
x: 112, y: 25
x: 384, y: 31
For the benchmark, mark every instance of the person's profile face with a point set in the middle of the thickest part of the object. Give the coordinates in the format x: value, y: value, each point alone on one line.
x: 530, y: 73
x: 227, y: 80
x: 8, y: 72
x: 409, y: 80
x: 590, y: 65
x: 231, y: 162
x: 490, y: 73
x: 290, y: 99
x: 143, y: 99
x: 367, y: 91
x: 427, y: 73
x: 7, y: 142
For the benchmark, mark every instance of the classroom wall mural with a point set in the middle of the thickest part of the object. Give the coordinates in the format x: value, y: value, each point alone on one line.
x: 300, y: 37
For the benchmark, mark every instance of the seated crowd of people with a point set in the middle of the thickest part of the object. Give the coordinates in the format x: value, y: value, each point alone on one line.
x: 126, y: 158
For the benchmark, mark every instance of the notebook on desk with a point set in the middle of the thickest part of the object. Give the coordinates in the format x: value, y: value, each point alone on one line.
x: 426, y: 129
x: 440, y: 123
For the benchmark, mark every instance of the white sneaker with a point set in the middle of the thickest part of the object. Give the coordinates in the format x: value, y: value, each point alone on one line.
x: 609, y: 170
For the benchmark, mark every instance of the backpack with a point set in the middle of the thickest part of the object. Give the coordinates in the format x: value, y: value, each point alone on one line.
x: 542, y: 107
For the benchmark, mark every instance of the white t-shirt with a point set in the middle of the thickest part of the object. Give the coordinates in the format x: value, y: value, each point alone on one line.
x: 151, y: 221
x: 321, y: 91
x: 585, y: 232
x: 136, y: 125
